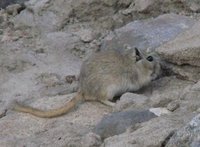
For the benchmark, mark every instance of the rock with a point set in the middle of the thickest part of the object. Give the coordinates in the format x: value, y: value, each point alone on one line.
x: 172, y: 106
x: 86, y: 35
x: 188, y: 135
x: 5, y: 3
x: 132, y: 100
x: 117, y: 122
x: 196, y: 87
x: 59, y: 89
x: 151, y: 133
x: 184, y: 72
x: 125, y: 3
x: 49, y: 79
x: 43, y: 15
x: 16, y: 65
x: 166, y: 90
x: 159, y: 111
x: 35, y: 58
x: 2, y: 113
x: 193, y: 5
x: 109, y: 2
x: 91, y: 140
x: 190, y: 98
x: 185, y: 49
x: 148, y: 34
x: 59, y: 40
x: 24, y: 19
x: 28, y: 130
x: 70, y: 79
x: 58, y: 15
x: 144, y: 5
x: 14, y: 9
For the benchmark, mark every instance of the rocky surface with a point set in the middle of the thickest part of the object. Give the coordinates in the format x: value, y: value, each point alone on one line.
x: 188, y: 135
x: 6, y: 3
x: 42, y: 46
x: 185, y: 49
x: 151, y: 133
x: 130, y: 101
x: 118, y: 122
x: 148, y: 34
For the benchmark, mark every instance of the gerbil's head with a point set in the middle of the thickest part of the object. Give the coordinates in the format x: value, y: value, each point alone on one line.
x: 148, y: 65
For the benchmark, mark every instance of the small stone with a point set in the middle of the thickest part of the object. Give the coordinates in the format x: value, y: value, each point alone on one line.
x: 70, y: 78
x: 85, y: 35
x: 109, y: 2
x: 49, y: 79
x: 13, y: 9
x: 159, y: 111
x: 196, y: 87
x: 172, y: 106
x: 143, y: 5
x: 91, y: 140
x: 198, y: 110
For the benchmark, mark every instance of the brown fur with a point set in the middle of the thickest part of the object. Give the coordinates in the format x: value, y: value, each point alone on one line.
x: 104, y: 75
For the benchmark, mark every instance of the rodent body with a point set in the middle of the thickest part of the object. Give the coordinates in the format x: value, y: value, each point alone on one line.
x: 104, y: 75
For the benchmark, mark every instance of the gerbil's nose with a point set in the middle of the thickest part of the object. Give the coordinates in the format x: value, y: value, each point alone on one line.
x: 150, y: 58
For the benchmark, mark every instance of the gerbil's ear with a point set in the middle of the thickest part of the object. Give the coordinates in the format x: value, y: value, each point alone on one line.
x: 137, y: 54
x: 134, y: 52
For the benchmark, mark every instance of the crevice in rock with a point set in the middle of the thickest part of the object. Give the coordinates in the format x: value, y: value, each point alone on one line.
x: 3, y: 114
x: 163, y: 144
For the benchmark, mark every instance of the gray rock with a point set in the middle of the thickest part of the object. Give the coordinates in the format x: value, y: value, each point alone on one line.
x: 144, y: 5
x: 160, y: 111
x: 2, y: 113
x: 49, y: 79
x: 130, y: 100
x: 59, y: 40
x: 166, y: 90
x: 117, y: 122
x: 148, y: 34
x: 172, y: 106
x: 5, y: 3
x: 41, y: 41
x: 184, y: 72
x: 151, y: 133
x: 188, y: 135
x: 14, y: 9
x: 193, y: 5
x: 43, y: 15
x: 22, y: 129
x: 185, y: 49
x: 190, y: 98
x: 91, y: 140
x: 86, y: 35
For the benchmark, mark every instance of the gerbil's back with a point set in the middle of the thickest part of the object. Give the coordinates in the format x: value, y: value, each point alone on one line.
x: 105, y: 63
x: 102, y: 68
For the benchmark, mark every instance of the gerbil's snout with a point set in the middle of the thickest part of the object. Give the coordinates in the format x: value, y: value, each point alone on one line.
x: 156, y: 67
x: 156, y: 72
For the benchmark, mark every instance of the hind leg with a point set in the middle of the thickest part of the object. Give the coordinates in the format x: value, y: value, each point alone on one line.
x: 107, y: 95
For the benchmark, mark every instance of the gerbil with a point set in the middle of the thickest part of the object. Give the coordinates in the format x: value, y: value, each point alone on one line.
x: 104, y: 75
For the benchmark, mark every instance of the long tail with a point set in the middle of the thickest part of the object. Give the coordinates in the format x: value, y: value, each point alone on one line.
x: 49, y: 113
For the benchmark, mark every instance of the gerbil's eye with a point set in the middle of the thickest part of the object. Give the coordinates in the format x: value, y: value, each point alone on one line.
x: 150, y: 58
